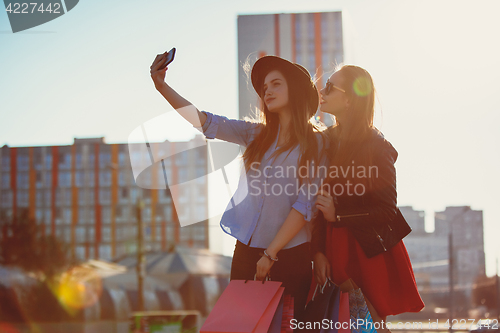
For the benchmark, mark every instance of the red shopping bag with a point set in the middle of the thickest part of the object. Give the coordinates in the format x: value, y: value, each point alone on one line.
x: 244, y: 307
x: 288, y: 310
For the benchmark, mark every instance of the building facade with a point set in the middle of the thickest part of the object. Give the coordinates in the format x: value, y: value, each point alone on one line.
x: 86, y: 195
x: 430, y: 254
x: 314, y: 40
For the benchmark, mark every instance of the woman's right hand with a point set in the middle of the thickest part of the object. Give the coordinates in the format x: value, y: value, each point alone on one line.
x: 322, y: 268
x: 158, y: 73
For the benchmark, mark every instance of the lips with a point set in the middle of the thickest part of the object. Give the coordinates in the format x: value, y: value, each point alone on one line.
x: 269, y: 100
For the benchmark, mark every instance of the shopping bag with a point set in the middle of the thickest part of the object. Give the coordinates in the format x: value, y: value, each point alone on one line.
x: 322, y: 309
x: 344, y: 314
x: 276, y: 323
x: 359, y: 313
x: 332, y: 317
x: 288, y: 313
x: 244, y: 307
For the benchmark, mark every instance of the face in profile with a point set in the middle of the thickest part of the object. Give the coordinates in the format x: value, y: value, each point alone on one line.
x: 275, y: 91
x: 333, y: 97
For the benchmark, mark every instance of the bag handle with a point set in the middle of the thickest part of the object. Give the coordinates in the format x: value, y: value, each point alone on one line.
x: 328, y: 281
x: 268, y: 278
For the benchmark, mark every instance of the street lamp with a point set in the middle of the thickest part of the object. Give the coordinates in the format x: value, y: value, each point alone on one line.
x: 141, y: 262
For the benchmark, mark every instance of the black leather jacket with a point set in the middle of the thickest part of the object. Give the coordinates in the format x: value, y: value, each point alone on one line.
x: 373, y: 218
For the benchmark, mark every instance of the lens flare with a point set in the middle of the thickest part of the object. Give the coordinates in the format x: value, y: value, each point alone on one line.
x: 362, y: 86
x: 79, y: 287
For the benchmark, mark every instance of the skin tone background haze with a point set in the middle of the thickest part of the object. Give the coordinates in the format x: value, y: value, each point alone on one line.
x: 434, y: 63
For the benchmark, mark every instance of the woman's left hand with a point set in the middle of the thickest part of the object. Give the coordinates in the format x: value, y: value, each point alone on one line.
x: 324, y: 202
x: 263, y: 267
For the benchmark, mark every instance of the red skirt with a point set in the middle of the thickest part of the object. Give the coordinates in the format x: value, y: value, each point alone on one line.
x: 386, y: 280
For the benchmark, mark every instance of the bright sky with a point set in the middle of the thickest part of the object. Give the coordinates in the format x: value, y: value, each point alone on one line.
x: 434, y: 63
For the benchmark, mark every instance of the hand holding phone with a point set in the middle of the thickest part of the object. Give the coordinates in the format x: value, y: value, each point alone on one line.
x: 168, y: 58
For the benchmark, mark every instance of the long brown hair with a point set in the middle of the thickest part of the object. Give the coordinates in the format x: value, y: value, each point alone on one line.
x: 360, y: 90
x: 301, y: 131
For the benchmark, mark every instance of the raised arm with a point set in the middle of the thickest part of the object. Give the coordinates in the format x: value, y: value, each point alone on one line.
x: 179, y: 103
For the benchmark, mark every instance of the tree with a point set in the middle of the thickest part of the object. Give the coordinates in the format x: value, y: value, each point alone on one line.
x: 23, y: 245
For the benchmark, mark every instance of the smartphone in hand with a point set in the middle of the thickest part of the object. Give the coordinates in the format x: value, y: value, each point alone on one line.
x: 169, y: 58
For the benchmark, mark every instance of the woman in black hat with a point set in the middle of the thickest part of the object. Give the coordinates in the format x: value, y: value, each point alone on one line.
x: 274, y: 200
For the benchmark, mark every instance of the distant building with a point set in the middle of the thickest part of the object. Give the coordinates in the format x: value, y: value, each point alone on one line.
x: 429, y: 254
x: 86, y: 195
x: 466, y: 227
x: 314, y: 40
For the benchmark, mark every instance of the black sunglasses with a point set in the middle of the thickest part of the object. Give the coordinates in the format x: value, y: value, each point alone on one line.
x: 329, y: 87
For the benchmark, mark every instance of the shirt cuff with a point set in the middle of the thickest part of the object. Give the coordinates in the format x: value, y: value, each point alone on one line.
x: 211, y: 125
x: 304, y: 209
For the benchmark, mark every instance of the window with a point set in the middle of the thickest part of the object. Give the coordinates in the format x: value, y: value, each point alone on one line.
x: 183, y: 175
x: 23, y: 180
x: 80, y: 234
x: 90, y: 178
x: 79, y: 179
x: 200, y: 173
x: 48, y: 179
x: 5, y: 180
x: 6, y: 162
x: 147, y: 213
x: 47, y: 197
x: 48, y: 161
x: 122, y: 178
x: 104, y: 196
x: 106, y: 215
x: 106, y: 234
x: 158, y: 233
x: 80, y: 252
x: 90, y: 198
x: 65, y: 179
x: 104, y: 160
x: 39, y: 216
x: 39, y: 198
x: 7, y: 198
x: 22, y: 198
x: 58, y: 216
x: 91, y: 250
x: 91, y: 160
x: 64, y: 161
x: 82, y: 216
x: 181, y: 158
x: 168, y: 213
x: 105, y: 178
x: 67, y: 215
x: 79, y: 161
x: 122, y: 158
x: 23, y: 162
x: 82, y: 199
x: 105, y: 252
x: 39, y: 179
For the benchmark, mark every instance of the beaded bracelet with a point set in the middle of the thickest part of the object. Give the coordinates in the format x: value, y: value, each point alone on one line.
x: 268, y: 256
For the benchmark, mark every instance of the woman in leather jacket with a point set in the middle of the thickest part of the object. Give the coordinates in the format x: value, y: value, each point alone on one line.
x: 358, y: 232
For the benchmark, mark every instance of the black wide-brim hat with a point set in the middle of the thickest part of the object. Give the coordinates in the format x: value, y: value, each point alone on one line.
x: 266, y: 64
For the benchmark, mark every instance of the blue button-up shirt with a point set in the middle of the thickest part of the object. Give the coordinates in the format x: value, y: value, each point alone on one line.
x: 267, y: 192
